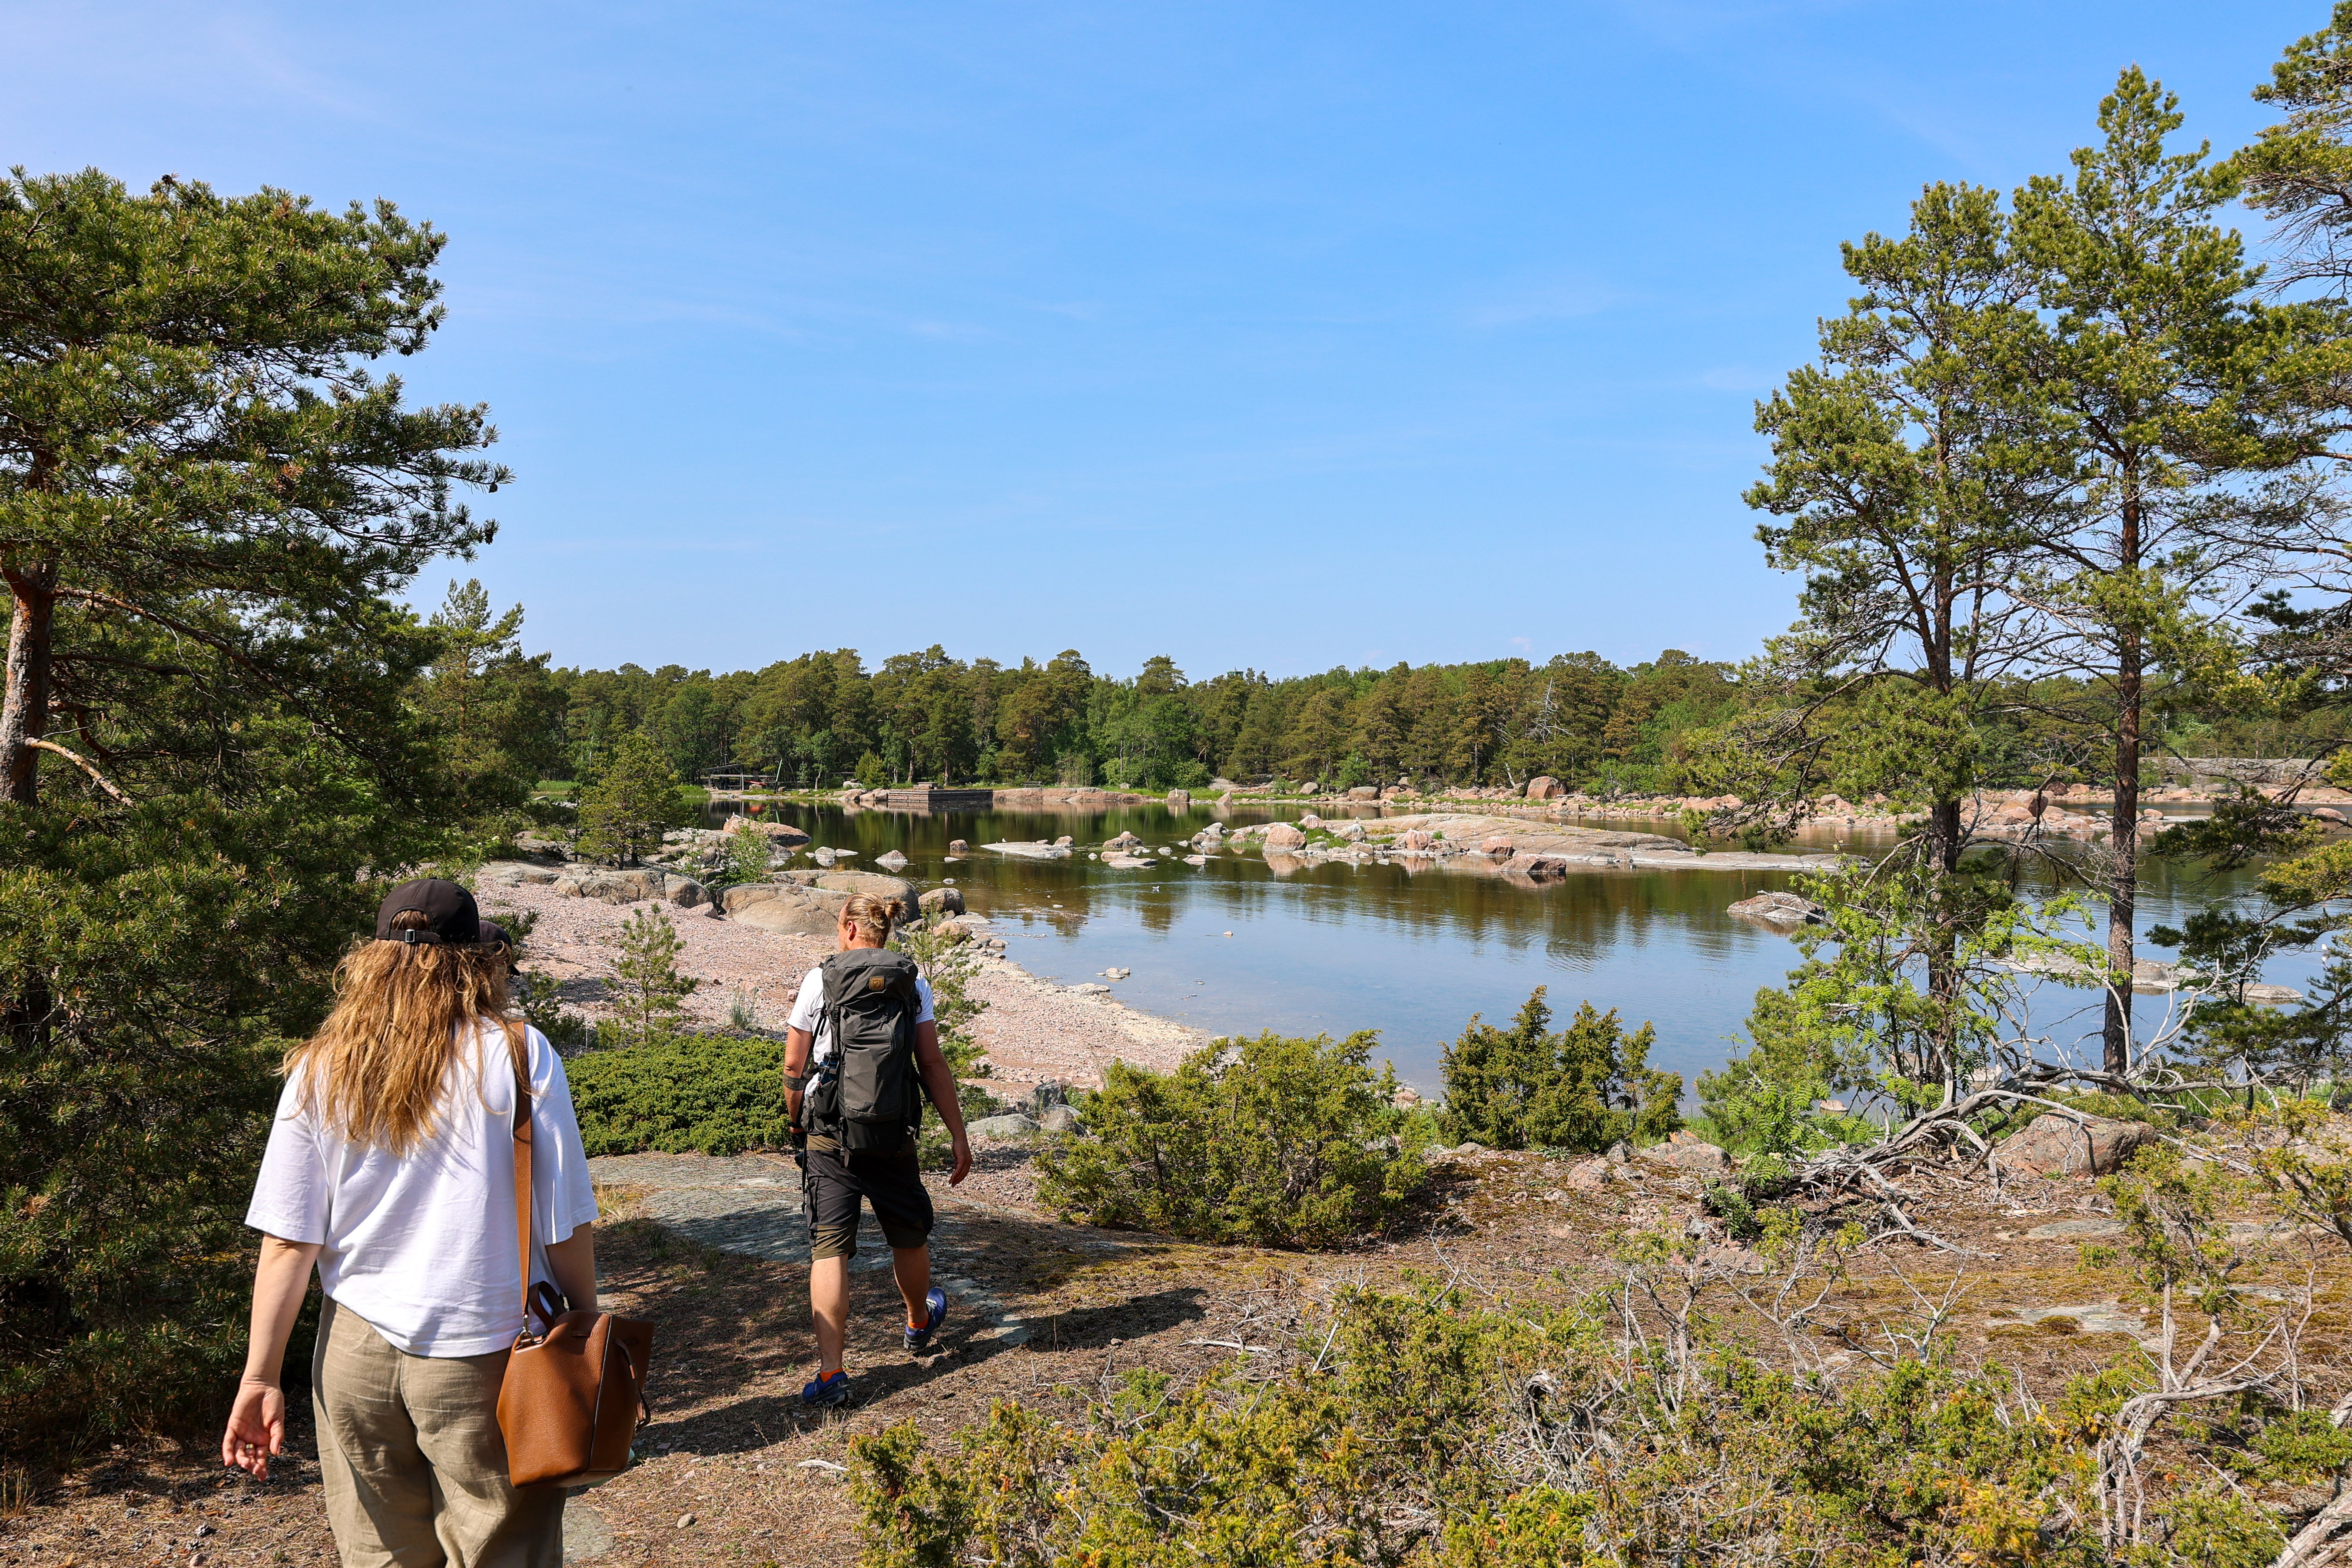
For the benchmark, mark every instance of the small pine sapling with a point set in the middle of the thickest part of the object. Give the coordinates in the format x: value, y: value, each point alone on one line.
x: 648, y: 992
x: 948, y: 964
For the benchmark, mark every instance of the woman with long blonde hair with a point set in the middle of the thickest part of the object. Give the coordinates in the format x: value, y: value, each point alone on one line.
x: 390, y: 1168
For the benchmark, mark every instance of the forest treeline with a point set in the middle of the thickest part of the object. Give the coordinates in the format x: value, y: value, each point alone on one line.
x: 818, y: 718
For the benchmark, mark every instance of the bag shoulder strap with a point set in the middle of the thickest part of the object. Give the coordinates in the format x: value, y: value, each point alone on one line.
x: 518, y: 1043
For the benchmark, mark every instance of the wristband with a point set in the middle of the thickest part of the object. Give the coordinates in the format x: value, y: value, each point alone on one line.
x: 796, y: 1084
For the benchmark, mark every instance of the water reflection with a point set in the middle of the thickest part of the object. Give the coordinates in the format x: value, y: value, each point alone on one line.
x: 1406, y: 948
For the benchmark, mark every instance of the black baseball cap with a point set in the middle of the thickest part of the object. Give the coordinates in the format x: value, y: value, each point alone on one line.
x: 494, y: 935
x: 450, y: 915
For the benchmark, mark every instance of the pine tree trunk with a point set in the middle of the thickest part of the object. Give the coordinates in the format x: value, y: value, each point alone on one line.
x: 24, y: 718
x: 1943, y: 950
x: 25, y: 713
x: 2123, y: 890
x: 2123, y: 885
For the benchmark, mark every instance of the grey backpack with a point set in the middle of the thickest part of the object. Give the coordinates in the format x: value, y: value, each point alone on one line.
x: 869, y: 1096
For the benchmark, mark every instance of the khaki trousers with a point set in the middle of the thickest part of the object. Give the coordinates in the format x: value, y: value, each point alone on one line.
x: 412, y: 1462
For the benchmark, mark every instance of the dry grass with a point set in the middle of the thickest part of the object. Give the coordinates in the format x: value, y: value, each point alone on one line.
x: 19, y: 1492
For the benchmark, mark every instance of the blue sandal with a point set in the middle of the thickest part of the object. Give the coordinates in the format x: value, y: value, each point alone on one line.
x: 919, y: 1340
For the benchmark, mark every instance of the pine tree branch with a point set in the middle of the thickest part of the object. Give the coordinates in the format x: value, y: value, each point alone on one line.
x: 98, y: 777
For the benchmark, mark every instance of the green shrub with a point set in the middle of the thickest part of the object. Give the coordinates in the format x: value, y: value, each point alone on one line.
x: 1418, y: 1429
x: 1738, y: 1203
x: 1766, y: 1100
x: 743, y: 857
x: 1283, y: 1143
x: 1582, y: 1088
x: 707, y: 1094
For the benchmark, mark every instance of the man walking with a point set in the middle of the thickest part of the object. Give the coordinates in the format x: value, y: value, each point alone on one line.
x: 861, y: 1055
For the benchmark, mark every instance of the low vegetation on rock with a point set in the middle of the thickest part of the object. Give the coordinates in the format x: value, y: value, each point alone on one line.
x: 1272, y: 1139
x: 1430, y: 1429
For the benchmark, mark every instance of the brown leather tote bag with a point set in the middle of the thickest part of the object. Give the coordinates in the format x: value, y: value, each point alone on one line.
x: 573, y: 1396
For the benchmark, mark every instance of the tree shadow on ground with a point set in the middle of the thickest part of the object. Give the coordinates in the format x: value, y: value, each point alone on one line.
x: 733, y: 1342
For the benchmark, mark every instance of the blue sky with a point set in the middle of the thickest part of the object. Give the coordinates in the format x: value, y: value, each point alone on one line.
x: 1285, y: 336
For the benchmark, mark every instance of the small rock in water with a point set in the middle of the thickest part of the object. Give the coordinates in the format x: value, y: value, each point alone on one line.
x: 892, y: 861
x: 1779, y: 909
x: 1117, y: 973
x: 958, y: 847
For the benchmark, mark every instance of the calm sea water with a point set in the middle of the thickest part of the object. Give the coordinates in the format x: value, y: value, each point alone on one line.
x: 1232, y: 948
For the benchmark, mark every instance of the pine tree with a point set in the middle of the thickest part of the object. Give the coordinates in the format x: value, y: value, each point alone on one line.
x: 197, y: 447
x: 498, y: 712
x: 1912, y: 465
x: 624, y: 813
x: 2177, y: 385
x: 206, y: 498
x: 648, y: 992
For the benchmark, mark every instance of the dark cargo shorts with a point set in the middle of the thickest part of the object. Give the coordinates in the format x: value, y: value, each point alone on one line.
x: 834, y: 1183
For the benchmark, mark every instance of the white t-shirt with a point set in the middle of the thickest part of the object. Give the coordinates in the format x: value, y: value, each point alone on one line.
x: 808, y: 1012
x: 423, y: 1248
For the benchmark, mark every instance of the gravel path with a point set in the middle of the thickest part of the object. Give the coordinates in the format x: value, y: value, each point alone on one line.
x: 1032, y: 1030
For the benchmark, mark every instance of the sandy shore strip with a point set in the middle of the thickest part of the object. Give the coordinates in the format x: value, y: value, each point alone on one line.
x: 1033, y: 1029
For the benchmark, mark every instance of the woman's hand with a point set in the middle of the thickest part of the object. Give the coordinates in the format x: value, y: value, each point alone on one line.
x: 257, y: 1427
x: 257, y: 1422
x: 962, y: 1160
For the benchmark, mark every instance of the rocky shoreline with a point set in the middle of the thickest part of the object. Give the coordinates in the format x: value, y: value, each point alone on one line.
x: 2070, y: 811
x: 1033, y: 1031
